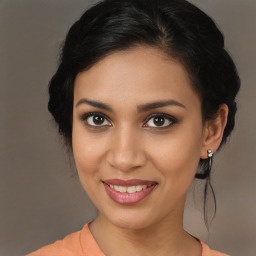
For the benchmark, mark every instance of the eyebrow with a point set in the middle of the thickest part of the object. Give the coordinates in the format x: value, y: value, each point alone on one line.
x: 140, y: 108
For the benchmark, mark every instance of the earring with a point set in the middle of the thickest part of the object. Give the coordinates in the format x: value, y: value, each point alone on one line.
x: 207, y: 165
x: 210, y: 154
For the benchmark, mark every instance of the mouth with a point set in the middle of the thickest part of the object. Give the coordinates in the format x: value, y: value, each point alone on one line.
x: 128, y: 192
x: 129, y: 189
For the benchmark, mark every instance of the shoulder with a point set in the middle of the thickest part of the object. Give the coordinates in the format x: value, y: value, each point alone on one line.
x: 206, y: 251
x: 69, y: 246
x: 80, y: 243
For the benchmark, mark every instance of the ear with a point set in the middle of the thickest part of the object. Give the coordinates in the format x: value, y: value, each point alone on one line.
x: 213, y: 131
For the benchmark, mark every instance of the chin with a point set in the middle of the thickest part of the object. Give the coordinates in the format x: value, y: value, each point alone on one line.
x: 132, y: 220
x: 131, y: 224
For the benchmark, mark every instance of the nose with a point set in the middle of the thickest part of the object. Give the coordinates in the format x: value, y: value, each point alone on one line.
x: 126, y: 150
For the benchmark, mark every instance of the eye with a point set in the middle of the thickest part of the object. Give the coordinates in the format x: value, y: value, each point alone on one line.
x: 160, y: 120
x: 95, y: 120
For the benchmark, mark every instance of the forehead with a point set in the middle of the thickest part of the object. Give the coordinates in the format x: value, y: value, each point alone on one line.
x: 136, y: 75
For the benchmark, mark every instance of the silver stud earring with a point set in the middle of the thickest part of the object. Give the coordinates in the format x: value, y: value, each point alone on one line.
x: 206, y: 173
x: 210, y: 154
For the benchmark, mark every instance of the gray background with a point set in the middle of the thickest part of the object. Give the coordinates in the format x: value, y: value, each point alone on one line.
x: 40, y: 200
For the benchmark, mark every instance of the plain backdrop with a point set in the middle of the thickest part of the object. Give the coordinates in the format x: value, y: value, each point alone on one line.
x: 40, y: 198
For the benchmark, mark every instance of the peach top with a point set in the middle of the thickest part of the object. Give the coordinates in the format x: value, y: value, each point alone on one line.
x: 82, y: 243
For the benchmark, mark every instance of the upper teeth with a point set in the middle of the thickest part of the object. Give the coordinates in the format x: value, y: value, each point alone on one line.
x: 130, y: 189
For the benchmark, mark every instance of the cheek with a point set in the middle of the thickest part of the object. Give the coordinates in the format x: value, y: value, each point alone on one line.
x: 177, y: 156
x: 87, y: 154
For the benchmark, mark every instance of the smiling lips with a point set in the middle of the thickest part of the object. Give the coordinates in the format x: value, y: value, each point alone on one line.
x: 128, y: 192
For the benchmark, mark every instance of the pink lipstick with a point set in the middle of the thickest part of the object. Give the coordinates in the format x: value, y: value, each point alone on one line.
x: 128, y: 192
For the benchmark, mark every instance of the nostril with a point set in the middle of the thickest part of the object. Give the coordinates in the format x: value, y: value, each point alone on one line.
x: 125, y: 159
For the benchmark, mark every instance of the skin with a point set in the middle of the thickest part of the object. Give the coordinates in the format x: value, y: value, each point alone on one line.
x: 127, y: 145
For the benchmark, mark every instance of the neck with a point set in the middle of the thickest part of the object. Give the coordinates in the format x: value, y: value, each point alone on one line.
x: 166, y: 237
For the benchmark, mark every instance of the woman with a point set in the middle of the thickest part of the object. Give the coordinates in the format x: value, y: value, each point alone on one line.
x: 144, y: 95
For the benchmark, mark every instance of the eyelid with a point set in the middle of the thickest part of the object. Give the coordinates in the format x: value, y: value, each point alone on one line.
x: 84, y: 117
x: 172, y: 119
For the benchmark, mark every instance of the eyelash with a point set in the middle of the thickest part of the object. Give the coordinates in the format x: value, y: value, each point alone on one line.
x: 171, y: 119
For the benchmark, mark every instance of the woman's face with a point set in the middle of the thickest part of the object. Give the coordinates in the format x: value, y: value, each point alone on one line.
x: 137, y: 136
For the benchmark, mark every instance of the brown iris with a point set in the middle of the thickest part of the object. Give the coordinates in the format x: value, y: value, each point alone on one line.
x: 159, y: 121
x: 98, y: 120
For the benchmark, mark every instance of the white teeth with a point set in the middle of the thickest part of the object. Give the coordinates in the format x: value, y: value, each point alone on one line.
x: 130, y: 189
x: 122, y: 189
x: 139, y: 188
